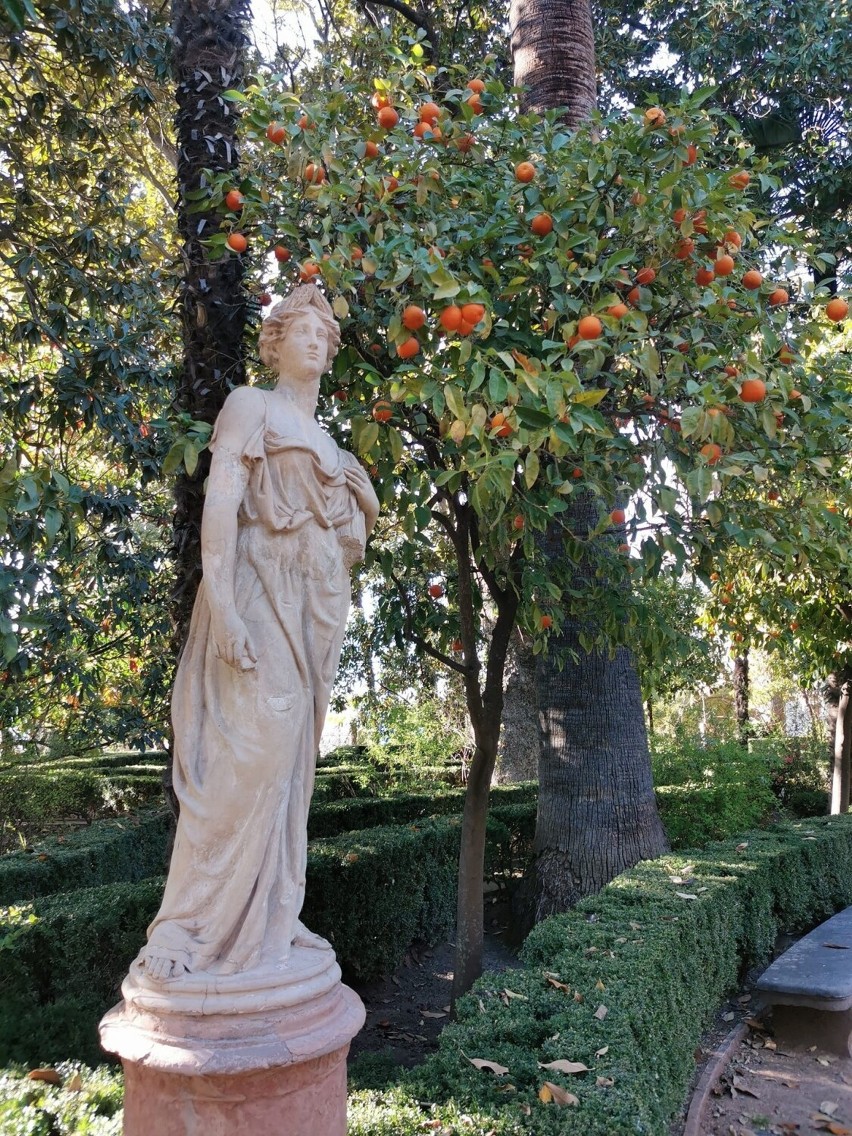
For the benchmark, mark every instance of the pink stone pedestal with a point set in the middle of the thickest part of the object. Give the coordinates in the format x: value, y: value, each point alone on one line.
x: 262, y: 1053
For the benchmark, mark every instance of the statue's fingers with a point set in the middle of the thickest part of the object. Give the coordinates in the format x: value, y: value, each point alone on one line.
x: 248, y: 649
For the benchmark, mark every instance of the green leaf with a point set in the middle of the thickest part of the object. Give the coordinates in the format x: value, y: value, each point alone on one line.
x: 537, y: 419
x: 190, y: 458
x: 173, y: 458
x: 531, y: 469
x: 588, y: 397
x: 52, y: 522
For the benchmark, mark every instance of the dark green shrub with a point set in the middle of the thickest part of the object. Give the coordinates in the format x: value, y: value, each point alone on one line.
x: 372, y: 893
x: 34, y: 794
x: 108, y: 851
x: 34, y: 1108
x: 660, y: 947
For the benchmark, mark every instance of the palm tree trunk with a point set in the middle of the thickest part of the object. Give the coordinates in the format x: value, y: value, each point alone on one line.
x: 553, y: 50
x: 208, y: 44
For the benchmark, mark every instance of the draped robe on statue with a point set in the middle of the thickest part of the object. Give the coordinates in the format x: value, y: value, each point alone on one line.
x: 246, y: 741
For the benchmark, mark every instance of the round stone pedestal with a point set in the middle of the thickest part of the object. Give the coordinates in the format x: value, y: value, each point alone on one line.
x: 260, y: 1053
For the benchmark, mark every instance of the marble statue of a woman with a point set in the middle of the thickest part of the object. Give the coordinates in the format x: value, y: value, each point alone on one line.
x: 286, y: 516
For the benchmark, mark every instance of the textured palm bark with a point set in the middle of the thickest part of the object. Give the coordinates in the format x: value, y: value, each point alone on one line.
x: 208, y: 45
x: 553, y: 49
x: 741, y: 692
x: 209, y: 40
x: 517, y: 753
x: 597, y: 813
x: 840, y: 772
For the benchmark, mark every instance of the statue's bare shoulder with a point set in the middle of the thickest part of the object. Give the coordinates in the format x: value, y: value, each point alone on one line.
x: 243, y: 412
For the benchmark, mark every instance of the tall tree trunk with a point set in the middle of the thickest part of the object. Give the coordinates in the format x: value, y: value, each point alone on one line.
x: 517, y: 753
x: 553, y: 51
x: 741, y: 692
x: 208, y: 44
x: 840, y: 772
x: 597, y: 814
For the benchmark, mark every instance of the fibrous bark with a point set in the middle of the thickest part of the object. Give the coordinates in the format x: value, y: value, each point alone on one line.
x: 517, y: 754
x: 741, y: 691
x: 553, y: 48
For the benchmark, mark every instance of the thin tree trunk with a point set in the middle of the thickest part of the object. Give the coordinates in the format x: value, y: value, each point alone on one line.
x: 840, y: 773
x: 208, y: 44
x: 650, y: 707
x: 741, y: 692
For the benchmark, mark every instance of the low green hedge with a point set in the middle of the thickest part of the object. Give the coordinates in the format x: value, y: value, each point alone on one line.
x: 105, y: 852
x: 372, y: 893
x: 36, y: 1108
x: 693, y: 815
x: 33, y: 794
x: 332, y: 817
x: 624, y: 983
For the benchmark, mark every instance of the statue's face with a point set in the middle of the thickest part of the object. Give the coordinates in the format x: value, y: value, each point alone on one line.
x: 303, y: 351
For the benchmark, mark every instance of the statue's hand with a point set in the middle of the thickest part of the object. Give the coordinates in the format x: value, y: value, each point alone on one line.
x: 233, y: 643
x: 364, y: 493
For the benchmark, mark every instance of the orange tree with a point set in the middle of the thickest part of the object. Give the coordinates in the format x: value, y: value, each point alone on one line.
x: 514, y: 341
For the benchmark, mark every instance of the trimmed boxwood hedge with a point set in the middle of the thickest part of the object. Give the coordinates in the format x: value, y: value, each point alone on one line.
x: 31, y: 794
x: 106, y: 852
x: 372, y: 893
x: 660, y: 947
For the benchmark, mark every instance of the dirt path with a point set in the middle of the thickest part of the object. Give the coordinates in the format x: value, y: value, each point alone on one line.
x: 407, y: 1011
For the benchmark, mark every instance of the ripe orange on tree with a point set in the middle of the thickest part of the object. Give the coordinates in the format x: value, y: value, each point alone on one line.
x: 387, y: 118
x: 264, y: 299
x: 705, y: 276
x: 691, y: 154
x: 518, y: 523
x: 589, y: 327
x: 655, y: 116
x: 500, y: 425
x: 356, y: 252
x: 465, y: 327
x: 409, y: 348
x: 413, y: 317
x: 752, y: 280
x: 382, y: 410
x: 732, y: 237
x: 282, y: 254
x: 837, y: 309
x: 430, y: 112
x: 542, y: 224
x: 684, y: 249
x: 379, y: 100
x: 436, y: 591
x: 545, y: 622
x: 679, y: 216
x: 309, y: 271
x: 638, y: 198
x: 778, y: 297
x: 305, y: 123
x: 699, y: 221
x: 753, y: 390
x: 475, y: 103
x: 234, y: 200
x: 724, y: 265
x: 785, y: 354
x: 732, y: 370
x: 476, y: 85
x: 618, y: 516
x: 472, y: 313
x: 450, y: 318
x: 646, y: 275
x: 739, y: 180
x: 617, y: 311
x: 524, y: 171
x: 371, y: 149
x: 237, y: 242
x: 465, y: 143
x: 712, y: 451
x: 314, y: 174
x: 276, y: 133
x: 635, y: 296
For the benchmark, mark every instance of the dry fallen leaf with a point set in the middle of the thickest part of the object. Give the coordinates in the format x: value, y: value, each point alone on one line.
x: 49, y: 1076
x: 604, y: 1082
x: 550, y: 1092
x: 433, y: 1013
x: 742, y: 847
x: 506, y: 994
x: 770, y: 1044
x: 741, y: 1086
x: 829, y: 1107
x: 602, y: 1052
x: 565, y: 1066
x: 75, y: 1084
x: 559, y: 985
x: 601, y: 1012
x: 685, y: 895
x: 599, y: 985
x: 491, y: 1066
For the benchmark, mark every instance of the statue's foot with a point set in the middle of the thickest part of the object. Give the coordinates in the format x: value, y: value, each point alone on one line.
x: 306, y: 938
x: 161, y: 964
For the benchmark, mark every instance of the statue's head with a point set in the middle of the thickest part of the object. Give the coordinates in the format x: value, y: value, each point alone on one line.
x: 306, y: 299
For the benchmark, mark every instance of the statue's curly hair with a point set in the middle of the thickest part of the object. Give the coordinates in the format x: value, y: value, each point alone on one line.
x: 304, y: 298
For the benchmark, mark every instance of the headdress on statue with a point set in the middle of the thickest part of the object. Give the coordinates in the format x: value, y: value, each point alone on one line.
x: 303, y: 298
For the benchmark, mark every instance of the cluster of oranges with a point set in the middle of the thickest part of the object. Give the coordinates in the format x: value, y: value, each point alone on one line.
x: 454, y: 318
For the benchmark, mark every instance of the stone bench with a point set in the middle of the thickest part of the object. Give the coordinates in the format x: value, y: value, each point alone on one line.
x: 810, y: 988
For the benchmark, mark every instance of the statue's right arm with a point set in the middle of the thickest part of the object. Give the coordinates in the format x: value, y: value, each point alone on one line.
x: 238, y: 420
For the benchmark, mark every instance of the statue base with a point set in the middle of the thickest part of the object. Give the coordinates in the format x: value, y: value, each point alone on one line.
x: 260, y: 1053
